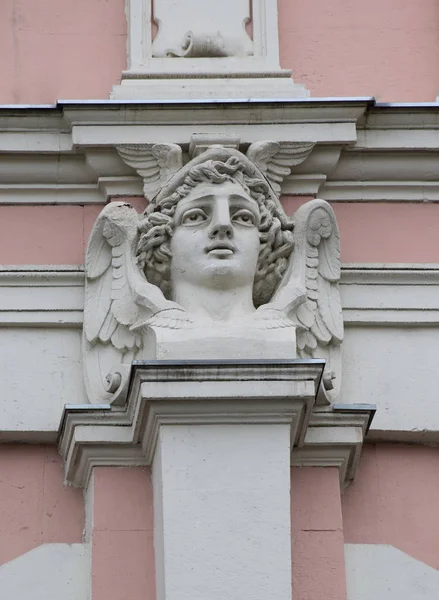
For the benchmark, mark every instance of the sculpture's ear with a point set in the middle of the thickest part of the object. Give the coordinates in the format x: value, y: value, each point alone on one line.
x: 155, y: 163
x: 276, y: 159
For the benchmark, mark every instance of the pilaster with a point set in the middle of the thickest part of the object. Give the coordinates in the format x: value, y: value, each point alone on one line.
x: 220, y: 437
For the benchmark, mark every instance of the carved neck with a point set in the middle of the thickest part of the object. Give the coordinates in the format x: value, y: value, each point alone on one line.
x: 213, y: 304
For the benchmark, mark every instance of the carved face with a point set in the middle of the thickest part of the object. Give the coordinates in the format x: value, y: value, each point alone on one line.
x: 171, y: 247
x: 215, y: 242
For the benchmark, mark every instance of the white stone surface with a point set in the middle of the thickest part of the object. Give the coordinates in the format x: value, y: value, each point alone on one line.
x: 404, y: 172
x: 396, y: 369
x: 334, y: 438
x: 38, y: 295
x: 211, y: 269
x: 191, y: 394
x: 193, y: 29
x: 222, y: 506
x: 49, y: 572
x: 223, y: 21
x: 219, y: 88
x: 381, y: 572
x: 237, y: 341
x: 41, y: 372
x: 381, y: 303
x: 202, y: 43
x: 176, y: 122
x: 385, y: 294
x: 371, y: 174
x: 43, y: 170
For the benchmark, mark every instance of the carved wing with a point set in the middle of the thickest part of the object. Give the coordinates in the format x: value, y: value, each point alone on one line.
x: 155, y: 163
x: 276, y: 159
x: 310, y: 292
x: 117, y: 296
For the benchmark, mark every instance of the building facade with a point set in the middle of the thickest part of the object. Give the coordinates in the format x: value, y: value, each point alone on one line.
x: 113, y: 499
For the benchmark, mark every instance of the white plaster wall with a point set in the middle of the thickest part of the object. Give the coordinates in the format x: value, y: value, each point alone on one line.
x: 382, y: 572
x: 396, y: 369
x: 49, y: 572
x: 389, y: 354
x: 40, y: 373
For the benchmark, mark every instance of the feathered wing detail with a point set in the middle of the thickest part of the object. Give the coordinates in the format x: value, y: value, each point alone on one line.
x: 310, y: 292
x: 155, y: 163
x: 276, y: 159
x: 117, y: 296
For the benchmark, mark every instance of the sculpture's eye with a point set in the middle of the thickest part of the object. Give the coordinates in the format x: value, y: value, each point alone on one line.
x: 195, y: 216
x: 244, y: 217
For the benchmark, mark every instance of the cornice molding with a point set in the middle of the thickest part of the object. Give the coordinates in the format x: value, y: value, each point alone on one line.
x: 43, y: 295
x: 205, y: 392
x: 390, y: 273
x: 372, y: 294
x: 186, y: 392
x: 34, y: 138
x: 394, y: 174
x: 363, y: 152
x: 381, y: 295
x: 50, y: 193
x: 380, y: 191
x: 337, y: 433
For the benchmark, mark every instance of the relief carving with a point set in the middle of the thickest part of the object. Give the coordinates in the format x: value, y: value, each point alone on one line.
x: 210, y: 29
x: 213, y: 268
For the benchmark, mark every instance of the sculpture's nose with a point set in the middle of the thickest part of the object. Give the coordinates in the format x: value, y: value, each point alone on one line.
x: 221, y: 226
x: 221, y: 230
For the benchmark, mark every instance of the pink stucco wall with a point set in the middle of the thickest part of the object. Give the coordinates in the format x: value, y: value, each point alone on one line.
x: 398, y: 232
x: 52, y: 49
x: 122, y: 536
x: 394, y: 500
x: 35, y: 507
x: 317, y: 535
x: 388, y: 49
x: 59, y: 234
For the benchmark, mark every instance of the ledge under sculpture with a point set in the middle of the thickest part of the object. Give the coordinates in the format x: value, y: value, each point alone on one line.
x: 213, y: 269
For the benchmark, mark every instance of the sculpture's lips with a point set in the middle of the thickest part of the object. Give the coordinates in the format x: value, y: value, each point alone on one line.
x: 221, y: 248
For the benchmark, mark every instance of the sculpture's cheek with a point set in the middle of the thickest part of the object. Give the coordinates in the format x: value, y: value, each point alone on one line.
x: 188, y: 252
x: 248, y: 246
x: 195, y: 259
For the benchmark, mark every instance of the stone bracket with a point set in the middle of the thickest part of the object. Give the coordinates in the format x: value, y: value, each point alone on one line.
x: 334, y: 438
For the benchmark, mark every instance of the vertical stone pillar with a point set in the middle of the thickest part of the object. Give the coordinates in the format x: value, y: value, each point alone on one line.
x: 220, y: 438
x: 222, y: 512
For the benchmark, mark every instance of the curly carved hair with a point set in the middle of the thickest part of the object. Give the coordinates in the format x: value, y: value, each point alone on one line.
x: 275, y: 229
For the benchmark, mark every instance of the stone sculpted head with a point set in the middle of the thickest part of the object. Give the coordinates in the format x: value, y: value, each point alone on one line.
x: 226, y: 220
x: 208, y: 270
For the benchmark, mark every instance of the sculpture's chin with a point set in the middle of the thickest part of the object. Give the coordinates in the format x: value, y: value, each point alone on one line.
x: 224, y: 273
